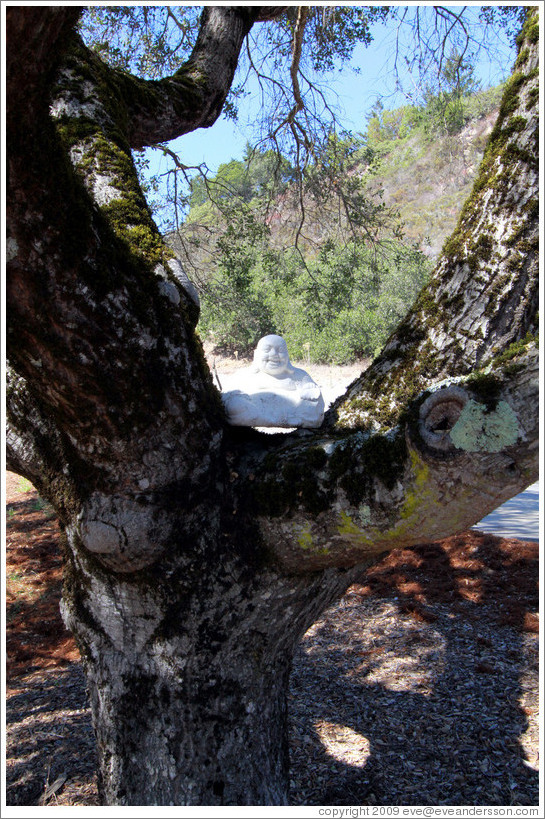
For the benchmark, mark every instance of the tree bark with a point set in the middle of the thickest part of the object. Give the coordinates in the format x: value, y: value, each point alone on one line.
x: 196, y: 554
x: 188, y: 677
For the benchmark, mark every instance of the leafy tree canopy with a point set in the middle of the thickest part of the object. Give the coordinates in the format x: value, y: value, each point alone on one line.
x: 259, y: 173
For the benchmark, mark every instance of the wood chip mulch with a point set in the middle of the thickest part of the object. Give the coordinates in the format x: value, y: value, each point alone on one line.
x: 419, y: 687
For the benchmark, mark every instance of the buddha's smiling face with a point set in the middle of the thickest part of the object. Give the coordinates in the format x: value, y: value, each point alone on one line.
x: 271, y: 356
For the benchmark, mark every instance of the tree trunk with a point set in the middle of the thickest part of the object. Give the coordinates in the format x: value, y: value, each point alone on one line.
x: 184, y: 739
x: 188, y: 673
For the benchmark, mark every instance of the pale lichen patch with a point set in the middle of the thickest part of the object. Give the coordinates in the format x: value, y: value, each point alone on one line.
x: 122, y: 532
x: 104, y: 189
x: 479, y: 430
x: 12, y: 249
x: 67, y: 107
x: 364, y: 514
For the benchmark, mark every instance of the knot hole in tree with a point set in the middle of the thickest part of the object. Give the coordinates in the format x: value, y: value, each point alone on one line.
x: 438, y: 415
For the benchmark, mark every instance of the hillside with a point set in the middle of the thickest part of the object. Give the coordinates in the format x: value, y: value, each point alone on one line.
x: 428, y: 181
x: 425, y: 177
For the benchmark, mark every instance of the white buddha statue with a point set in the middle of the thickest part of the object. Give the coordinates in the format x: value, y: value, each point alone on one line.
x: 274, y: 393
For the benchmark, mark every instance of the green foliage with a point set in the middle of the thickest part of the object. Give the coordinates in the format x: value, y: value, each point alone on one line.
x: 384, y: 125
x: 445, y: 111
x: 335, y: 31
x: 331, y: 34
x: 149, y: 41
x: 346, y: 285
x: 233, y: 311
x: 339, y: 306
x: 352, y: 277
x: 259, y: 173
x: 334, y: 298
x: 483, y: 102
x: 348, y: 300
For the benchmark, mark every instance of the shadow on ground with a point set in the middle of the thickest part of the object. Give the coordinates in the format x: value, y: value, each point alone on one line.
x: 432, y: 690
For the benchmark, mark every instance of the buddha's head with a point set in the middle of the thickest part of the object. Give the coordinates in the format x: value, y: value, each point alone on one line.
x: 271, y: 356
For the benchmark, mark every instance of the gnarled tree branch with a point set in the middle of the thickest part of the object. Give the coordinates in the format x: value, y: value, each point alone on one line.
x: 460, y: 450
x: 193, y: 98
